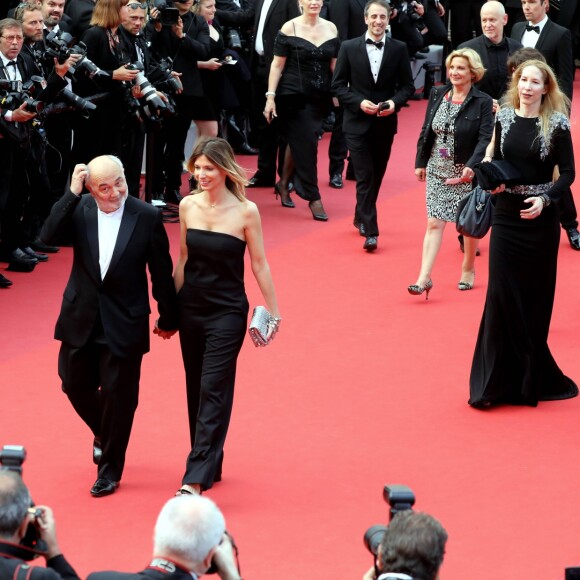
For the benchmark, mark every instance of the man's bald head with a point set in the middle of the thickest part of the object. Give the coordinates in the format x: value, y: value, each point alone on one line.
x: 106, y: 182
x: 493, y: 20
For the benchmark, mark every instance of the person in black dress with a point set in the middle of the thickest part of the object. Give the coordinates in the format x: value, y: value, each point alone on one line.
x: 512, y: 362
x: 299, y: 92
x: 217, y: 224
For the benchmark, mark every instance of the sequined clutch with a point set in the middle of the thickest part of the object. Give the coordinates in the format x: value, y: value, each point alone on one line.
x: 260, y: 325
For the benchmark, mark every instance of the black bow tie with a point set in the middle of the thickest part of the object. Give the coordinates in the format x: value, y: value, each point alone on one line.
x: 11, y: 63
x: 530, y: 28
x: 379, y: 44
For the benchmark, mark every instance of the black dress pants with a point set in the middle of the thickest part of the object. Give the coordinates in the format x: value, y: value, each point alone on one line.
x: 567, y: 207
x: 370, y: 154
x: 104, y: 391
x: 337, y: 149
x: 210, y: 349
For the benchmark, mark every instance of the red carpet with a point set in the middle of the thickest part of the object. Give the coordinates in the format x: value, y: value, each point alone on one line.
x: 364, y: 385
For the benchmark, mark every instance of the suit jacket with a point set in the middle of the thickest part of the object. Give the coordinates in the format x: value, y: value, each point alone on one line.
x: 80, y: 12
x: 494, y: 82
x: 348, y: 17
x: 473, y: 127
x: 121, y: 299
x: 555, y: 43
x: 353, y: 82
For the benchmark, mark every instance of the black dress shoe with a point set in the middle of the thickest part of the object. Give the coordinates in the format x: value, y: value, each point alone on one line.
x: 336, y: 181
x: 574, y: 237
x: 103, y: 487
x: 97, y: 450
x: 4, y: 282
x: 258, y: 181
x: 370, y: 244
x: 360, y: 227
x: 245, y: 149
x: 39, y: 246
x: 30, y: 252
x: 21, y: 262
x: 172, y: 196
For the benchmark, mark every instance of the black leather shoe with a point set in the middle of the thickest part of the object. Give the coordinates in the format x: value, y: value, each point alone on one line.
x: 370, y: 244
x: 336, y: 181
x: 4, y: 282
x: 245, y: 149
x: 172, y: 196
x: 21, y: 262
x: 97, y: 450
x: 258, y: 181
x: 104, y: 487
x: 574, y: 237
x: 360, y: 227
x: 30, y: 252
x: 39, y: 246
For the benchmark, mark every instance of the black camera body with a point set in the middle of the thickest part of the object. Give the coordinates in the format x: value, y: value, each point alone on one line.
x: 399, y: 498
x: 31, y: 546
x: 61, y: 45
x: 17, y: 93
x: 168, y: 14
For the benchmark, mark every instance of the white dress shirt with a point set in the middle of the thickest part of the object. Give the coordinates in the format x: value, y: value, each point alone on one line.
x: 530, y: 38
x: 375, y: 55
x: 259, y: 46
x: 109, y: 224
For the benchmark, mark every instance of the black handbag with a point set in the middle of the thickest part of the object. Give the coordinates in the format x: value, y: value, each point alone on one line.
x: 474, y: 213
x: 491, y: 175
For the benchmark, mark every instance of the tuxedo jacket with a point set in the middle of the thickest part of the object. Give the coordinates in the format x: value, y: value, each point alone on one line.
x: 121, y: 299
x: 348, y: 17
x: 353, y: 82
x: 472, y: 129
x: 555, y: 43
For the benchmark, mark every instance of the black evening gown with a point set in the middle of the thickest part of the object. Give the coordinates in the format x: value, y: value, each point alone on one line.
x: 512, y: 362
x: 303, y: 99
x: 213, y: 318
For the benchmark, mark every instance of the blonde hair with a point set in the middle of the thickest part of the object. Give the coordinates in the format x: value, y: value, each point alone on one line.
x: 553, y: 101
x: 107, y: 13
x: 221, y: 154
x: 473, y: 59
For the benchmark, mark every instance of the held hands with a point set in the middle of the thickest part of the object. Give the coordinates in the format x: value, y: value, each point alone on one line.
x: 164, y: 334
x: 78, y: 177
x: 535, y: 209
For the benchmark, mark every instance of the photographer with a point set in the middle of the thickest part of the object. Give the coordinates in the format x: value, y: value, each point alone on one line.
x: 16, y: 516
x: 190, y: 537
x: 412, y: 548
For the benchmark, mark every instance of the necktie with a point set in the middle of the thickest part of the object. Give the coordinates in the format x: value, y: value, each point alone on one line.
x: 530, y: 28
x: 378, y: 44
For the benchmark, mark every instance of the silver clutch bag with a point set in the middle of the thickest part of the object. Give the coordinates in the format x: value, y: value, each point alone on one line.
x: 261, y: 323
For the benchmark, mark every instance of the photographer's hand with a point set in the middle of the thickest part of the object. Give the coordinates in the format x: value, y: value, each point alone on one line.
x: 224, y: 560
x: 62, y: 68
x: 21, y: 115
x: 47, y: 531
x: 124, y: 74
x: 178, y: 28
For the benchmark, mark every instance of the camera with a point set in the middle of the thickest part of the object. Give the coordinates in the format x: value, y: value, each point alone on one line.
x: 399, y: 498
x: 168, y: 14
x: 162, y: 79
x: 17, y: 93
x: 61, y: 45
x: 11, y: 458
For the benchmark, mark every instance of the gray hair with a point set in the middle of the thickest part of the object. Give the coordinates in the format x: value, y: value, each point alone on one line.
x: 188, y: 527
x: 14, y: 502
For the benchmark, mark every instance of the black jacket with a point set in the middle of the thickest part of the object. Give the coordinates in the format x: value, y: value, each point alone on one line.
x: 11, y: 566
x: 472, y: 130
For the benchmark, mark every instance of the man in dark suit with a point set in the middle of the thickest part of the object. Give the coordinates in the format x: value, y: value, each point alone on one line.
x: 104, y: 318
x: 189, y: 537
x: 80, y: 12
x: 555, y: 43
x: 371, y: 70
x: 54, y: 16
x: 494, y: 49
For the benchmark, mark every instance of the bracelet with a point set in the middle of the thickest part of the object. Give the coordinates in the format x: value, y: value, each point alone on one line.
x: 270, y: 94
x: 546, y: 201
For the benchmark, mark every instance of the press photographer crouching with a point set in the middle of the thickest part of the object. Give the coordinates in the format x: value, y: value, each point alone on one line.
x: 26, y: 532
x: 190, y: 540
x: 411, y: 547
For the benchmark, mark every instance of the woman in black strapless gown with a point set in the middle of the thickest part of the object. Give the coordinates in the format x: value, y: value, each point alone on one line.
x: 217, y: 224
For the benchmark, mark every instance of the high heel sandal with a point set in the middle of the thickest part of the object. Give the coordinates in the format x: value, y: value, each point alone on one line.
x: 285, y: 198
x: 417, y: 290
x: 186, y: 489
x: 317, y: 210
x: 466, y: 285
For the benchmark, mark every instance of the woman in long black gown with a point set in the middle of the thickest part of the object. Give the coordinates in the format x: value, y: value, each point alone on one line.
x: 512, y: 362
x: 299, y: 92
x: 217, y: 224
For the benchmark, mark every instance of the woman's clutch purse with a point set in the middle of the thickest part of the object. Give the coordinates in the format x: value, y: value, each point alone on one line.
x: 262, y: 322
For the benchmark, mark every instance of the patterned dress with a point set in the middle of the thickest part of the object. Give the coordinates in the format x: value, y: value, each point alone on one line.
x: 442, y: 199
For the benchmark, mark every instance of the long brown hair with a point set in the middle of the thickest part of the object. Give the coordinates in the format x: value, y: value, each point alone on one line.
x: 107, y: 13
x: 221, y: 154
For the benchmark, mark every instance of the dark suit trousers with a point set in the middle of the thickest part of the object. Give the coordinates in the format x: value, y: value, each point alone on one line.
x: 108, y: 410
x: 337, y: 149
x: 568, y: 214
x: 210, y: 351
x: 370, y: 154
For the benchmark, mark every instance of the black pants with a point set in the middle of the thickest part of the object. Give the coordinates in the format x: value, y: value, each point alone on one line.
x: 104, y: 391
x: 370, y: 154
x: 337, y: 149
x: 210, y: 351
x: 568, y: 214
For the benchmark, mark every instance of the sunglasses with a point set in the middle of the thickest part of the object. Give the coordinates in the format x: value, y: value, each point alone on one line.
x: 136, y: 5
